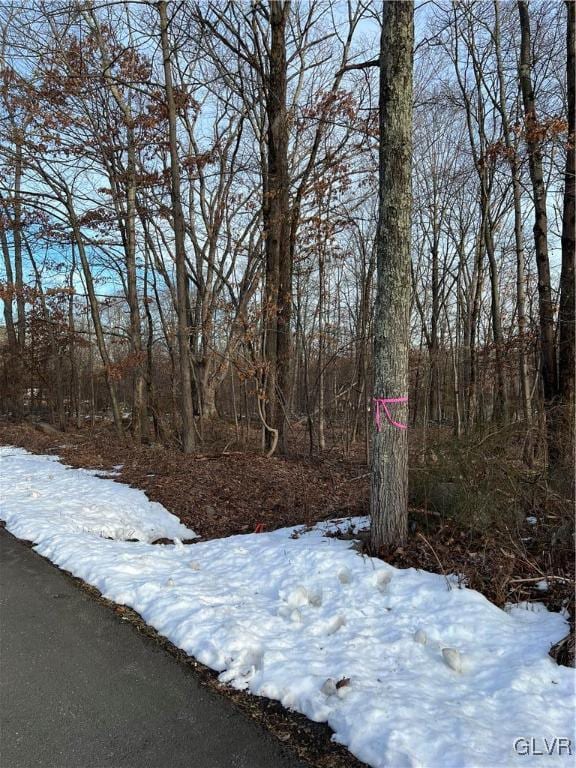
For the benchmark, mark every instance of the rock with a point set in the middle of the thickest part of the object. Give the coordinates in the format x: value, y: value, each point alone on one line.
x: 298, y: 596
x: 452, y: 658
x: 329, y: 687
x: 335, y: 624
x: 315, y: 598
x: 344, y: 576
x: 420, y: 637
x: 383, y: 578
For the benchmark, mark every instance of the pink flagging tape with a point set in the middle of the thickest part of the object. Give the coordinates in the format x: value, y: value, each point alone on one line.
x: 382, y: 404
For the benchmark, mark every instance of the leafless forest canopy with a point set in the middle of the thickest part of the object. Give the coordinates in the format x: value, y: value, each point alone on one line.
x: 189, y: 200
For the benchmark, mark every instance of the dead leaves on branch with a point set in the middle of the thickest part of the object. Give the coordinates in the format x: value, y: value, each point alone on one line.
x: 125, y: 366
x: 533, y: 132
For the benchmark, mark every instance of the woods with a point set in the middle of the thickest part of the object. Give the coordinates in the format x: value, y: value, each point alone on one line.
x: 287, y: 381
x: 207, y: 233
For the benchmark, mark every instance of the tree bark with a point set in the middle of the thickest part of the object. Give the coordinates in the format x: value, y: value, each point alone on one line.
x: 567, y: 311
x: 499, y: 408
x: 514, y: 161
x: 546, y: 308
x: 186, y: 405
x: 278, y: 289
x: 127, y: 224
x: 95, y: 313
x: 321, y: 341
x: 13, y: 383
x: 139, y: 407
x: 19, y: 281
x: 389, y: 477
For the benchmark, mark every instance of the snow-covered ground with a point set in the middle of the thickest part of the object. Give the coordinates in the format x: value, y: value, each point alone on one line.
x: 44, y: 497
x: 407, y: 667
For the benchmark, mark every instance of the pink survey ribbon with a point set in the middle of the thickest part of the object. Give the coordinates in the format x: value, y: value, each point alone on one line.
x: 382, y: 404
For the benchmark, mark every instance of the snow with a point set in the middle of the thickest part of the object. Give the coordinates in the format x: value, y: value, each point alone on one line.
x: 43, y: 497
x: 407, y: 668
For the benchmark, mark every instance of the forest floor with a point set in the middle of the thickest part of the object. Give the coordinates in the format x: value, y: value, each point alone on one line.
x: 298, y: 615
x: 475, y: 511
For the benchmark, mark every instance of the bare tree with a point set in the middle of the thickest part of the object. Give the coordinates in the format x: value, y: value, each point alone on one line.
x: 186, y: 404
x: 567, y: 310
x: 545, y: 302
x: 389, y: 480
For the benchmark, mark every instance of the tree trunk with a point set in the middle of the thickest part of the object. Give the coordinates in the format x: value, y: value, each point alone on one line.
x: 75, y: 398
x: 17, y: 232
x: 567, y: 311
x: 321, y: 382
x: 127, y: 224
x: 278, y: 290
x: 95, y: 313
x: 546, y: 308
x: 14, y: 385
x: 389, y: 482
x: 186, y: 405
x: 518, y: 233
x: 139, y: 409
x: 19, y: 282
x: 433, y: 348
x: 499, y: 407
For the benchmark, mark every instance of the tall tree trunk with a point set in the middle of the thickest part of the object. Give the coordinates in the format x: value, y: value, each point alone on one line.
x: 389, y: 481
x: 478, y: 285
x: 455, y: 350
x: 499, y: 408
x: 13, y: 383
x: 433, y: 349
x: 127, y: 223
x: 321, y: 377
x: 139, y: 410
x: 567, y: 311
x: 17, y: 232
x: 75, y: 399
x: 278, y: 290
x: 95, y: 314
x: 546, y: 308
x: 19, y: 282
x: 514, y: 160
x: 186, y: 405
x: 521, y: 291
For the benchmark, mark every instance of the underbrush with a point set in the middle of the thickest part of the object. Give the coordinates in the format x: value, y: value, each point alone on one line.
x: 481, y: 483
x: 481, y: 512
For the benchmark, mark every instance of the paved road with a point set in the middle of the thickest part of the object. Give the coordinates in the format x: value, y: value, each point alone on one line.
x: 80, y: 689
